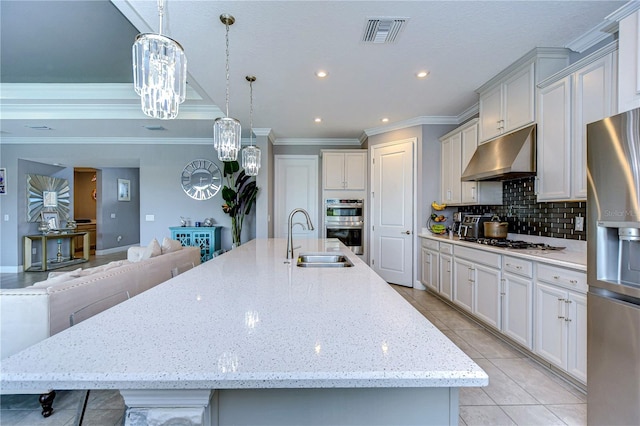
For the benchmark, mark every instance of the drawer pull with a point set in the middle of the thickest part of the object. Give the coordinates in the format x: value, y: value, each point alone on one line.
x: 573, y: 281
x: 556, y: 277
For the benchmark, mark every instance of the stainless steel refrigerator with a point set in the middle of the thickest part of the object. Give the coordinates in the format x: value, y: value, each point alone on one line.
x: 613, y: 268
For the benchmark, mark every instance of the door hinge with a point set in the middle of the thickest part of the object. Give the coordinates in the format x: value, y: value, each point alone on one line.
x: 373, y: 261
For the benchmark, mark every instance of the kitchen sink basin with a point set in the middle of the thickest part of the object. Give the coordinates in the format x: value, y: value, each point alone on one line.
x: 323, y: 260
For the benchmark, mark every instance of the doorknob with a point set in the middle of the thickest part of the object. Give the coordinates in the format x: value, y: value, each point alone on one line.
x: 406, y: 232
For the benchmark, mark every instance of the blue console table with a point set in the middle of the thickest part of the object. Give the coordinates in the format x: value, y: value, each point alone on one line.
x: 207, y: 238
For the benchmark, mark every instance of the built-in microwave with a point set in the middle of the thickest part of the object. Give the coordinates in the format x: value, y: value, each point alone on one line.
x: 344, y: 220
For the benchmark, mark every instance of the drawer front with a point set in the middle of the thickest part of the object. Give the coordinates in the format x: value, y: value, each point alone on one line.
x: 568, y: 278
x: 479, y: 256
x: 430, y: 244
x: 446, y: 248
x: 517, y: 266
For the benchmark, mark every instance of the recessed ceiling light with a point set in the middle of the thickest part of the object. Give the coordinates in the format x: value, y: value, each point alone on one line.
x: 321, y: 74
x: 422, y: 74
x: 384, y: 120
x: 318, y: 120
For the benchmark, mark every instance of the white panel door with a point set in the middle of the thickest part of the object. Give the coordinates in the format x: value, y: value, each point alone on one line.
x: 392, y: 212
x: 296, y: 185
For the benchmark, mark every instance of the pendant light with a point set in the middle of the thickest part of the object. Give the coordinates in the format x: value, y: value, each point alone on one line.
x: 226, y: 130
x: 251, y: 153
x: 159, y: 72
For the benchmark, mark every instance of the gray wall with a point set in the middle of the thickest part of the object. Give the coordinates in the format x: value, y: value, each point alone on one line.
x: 160, y: 192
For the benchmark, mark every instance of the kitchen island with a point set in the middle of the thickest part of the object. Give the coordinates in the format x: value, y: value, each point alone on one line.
x: 250, y: 338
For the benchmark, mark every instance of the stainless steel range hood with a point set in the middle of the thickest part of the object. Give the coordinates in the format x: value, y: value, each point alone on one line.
x: 511, y: 156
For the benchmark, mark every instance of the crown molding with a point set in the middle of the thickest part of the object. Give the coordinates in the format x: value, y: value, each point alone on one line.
x: 469, y: 113
x: 592, y: 37
x: 105, y: 141
x: 318, y: 141
x: 417, y: 121
x: 624, y: 11
x: 77, y: 91
x: 130, y: 111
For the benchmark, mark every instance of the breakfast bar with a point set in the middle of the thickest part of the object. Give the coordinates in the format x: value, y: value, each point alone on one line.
x: 249, y: 337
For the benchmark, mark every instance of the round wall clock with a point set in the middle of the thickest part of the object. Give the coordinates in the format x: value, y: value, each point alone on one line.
x: 201, y: 179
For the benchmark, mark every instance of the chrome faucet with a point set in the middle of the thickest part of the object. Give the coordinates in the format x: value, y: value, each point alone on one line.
x: 290, y: 225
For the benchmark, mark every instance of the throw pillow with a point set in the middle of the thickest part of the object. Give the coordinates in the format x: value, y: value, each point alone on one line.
x: 152, y: 250
x: 169, y: 245
x: 74, y: 273
x: 67, y: 276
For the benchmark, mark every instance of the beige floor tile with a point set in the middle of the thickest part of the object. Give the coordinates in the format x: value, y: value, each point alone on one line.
x: 571, y: 414
x: 531, y: 415
x: 488, y: 345
x: 484, y: 415
x: 474, y: 396
x: 34, y: 418
x: 434, y: 320
x: 503, y: 390
x: 462, y: 344
x: 455, y: 320
x: 545, y: 389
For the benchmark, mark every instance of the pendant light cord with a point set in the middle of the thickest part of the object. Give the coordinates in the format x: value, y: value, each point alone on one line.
x: 251, y: 112
x: 227, y: 38
x: 160, y: 14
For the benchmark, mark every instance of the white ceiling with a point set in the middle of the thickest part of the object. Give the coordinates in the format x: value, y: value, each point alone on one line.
x: 461, y: 43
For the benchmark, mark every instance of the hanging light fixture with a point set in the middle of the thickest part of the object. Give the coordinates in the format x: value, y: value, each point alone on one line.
x: 226, y: 130
x: 251, y: 153
x: 159, y: 72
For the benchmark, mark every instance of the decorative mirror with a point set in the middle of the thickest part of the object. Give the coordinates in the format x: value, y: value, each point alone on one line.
x: 47, y: 194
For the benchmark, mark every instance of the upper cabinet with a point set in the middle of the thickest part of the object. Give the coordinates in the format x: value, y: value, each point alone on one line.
x: 507, y: 101
x: 344, y: 169
x: 582, y: 93
x: 629, y: 67
x: 458, y: 147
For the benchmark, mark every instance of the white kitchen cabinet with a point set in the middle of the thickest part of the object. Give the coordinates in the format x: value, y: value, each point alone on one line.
x: 451, y: 167
x: 458, y: 146
x: 560, y: 319
x: 446, y: 271
x: 507, y: 101
x: 583, y: 93
x: 344, y: 169
x: 517, y: 300
x: 477, y: 283
x: 430, y: 265
x: 629, y: 62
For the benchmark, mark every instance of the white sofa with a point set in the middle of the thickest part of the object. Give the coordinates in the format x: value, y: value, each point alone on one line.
x: 30, y: 315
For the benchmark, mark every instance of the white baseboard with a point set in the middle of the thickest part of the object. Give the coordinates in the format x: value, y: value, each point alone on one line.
x: 114, y: 250
x: 419, y: 286
x: 11, y: 269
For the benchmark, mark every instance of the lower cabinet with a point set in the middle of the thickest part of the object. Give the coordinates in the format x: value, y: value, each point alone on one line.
x: 446, y: 271
x: 477, y: 283
x: 207, y: 238
x: 517, y: 300
x: 430, y: 265
x: 541, y: 307
x: 561, y: 323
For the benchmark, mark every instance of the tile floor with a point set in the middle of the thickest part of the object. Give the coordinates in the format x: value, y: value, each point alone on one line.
x: 520, y: 391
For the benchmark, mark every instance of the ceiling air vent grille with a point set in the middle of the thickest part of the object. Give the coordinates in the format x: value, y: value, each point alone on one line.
x: 383, y: 30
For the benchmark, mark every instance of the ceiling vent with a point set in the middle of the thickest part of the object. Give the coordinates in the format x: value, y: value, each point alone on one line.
x: 383, y: 30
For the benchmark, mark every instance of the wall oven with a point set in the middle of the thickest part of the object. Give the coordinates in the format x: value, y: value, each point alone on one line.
x: 344, y: 220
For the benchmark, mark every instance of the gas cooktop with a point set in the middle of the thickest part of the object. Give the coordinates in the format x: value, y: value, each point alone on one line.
x: 513, y: 244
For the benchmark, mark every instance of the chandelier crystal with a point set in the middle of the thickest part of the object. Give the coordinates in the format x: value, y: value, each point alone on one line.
x: 251, y: 153
x: 227, y: 130
x: 159, y: 72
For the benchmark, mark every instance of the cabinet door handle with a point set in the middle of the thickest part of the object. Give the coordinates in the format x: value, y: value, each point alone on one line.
x: 448, y: 266
x: 406, y: 232
x: 560, y: 310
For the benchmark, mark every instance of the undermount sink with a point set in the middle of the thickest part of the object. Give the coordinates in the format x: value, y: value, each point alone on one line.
x: 323, y: 260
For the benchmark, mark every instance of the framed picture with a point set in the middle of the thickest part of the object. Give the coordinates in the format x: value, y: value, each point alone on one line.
x: 51, y: 219
x: 3, y: 181
x: 124, y: 190
x: 49, y: 199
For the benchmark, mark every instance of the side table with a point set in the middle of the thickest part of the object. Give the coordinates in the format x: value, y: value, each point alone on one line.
x: 54, y: 263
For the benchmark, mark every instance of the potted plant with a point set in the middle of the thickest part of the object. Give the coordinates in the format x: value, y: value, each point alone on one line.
x: 239, y: 194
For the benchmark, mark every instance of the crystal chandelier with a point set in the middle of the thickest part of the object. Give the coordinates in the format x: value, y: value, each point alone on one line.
x: 226, y: 130
x: 159, y: 72
x: 251, y: 153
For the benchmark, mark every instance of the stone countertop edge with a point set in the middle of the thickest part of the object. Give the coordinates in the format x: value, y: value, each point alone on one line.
x: 573, y: 257
x: 223, y: 325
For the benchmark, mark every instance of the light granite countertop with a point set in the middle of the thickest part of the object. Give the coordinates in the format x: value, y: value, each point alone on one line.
x: 249, y: 319
x: 573, y: 256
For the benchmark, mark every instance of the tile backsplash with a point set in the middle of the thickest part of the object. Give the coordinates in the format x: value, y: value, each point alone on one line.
x: 526, y: 216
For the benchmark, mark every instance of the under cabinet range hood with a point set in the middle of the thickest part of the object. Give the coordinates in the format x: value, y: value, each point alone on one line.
x: 511, y: 156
